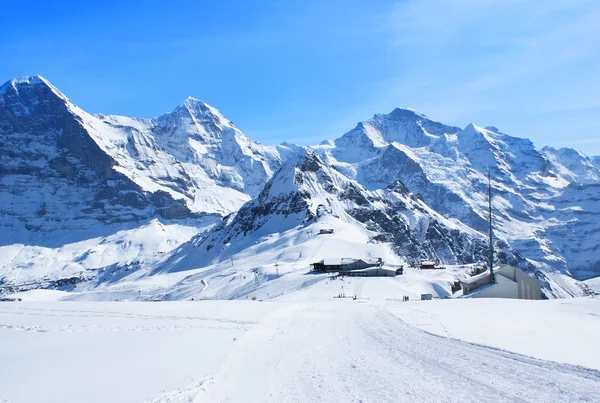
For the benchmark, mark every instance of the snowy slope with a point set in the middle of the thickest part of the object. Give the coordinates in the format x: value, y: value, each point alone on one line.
x: 281, y: 227
x: 574, y: 318
x: 265, y: 250
x: 104, y: 254
x: 306, y: 190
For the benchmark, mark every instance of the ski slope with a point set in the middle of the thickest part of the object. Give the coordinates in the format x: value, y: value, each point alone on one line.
x: 349, y: 352
x: 299, y: 350
x: 281, y: 261
x: 543, y: 329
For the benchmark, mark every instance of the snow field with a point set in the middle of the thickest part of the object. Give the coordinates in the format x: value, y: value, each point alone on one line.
x: 564, y: 330
x: 348, y: 351
x: 335, y: 350
x: 116, y: 352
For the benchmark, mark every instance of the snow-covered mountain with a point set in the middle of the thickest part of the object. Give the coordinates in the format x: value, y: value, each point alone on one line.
x: 544, y: 208
x: 307, y: 187
x: 402, y: 183
x: 537, y: 193
x: 422, y: 186
x: 218, y: 167
x: 68, y: 177
x: 192, y: 160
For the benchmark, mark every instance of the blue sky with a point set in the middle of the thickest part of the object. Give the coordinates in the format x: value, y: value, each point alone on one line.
x: 304, y: 71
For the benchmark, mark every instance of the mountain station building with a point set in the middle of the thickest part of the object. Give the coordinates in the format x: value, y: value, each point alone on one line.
x: 345, y: 264
x: 510, y: 283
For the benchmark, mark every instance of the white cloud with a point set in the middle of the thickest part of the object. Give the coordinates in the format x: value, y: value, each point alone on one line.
x: 466, y: 57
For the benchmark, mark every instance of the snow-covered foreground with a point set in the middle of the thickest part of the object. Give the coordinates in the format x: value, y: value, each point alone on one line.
x: 300, y: 350
x: 116, y: 352
x: 351, y: 352
x: 564, y: 330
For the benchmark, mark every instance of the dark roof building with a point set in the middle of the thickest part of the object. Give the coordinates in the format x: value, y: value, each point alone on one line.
x: 345, y: 264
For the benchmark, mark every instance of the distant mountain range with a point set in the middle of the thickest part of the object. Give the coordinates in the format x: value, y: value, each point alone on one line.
x: 78, y: 190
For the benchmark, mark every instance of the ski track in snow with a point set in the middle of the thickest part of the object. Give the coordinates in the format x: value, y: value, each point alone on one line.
x: 185, y: 394
x: 192, y: 322
x: 108, y: 314
x: 346, y: 352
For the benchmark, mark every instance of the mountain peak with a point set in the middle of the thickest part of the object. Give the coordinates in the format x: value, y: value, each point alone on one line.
x: 195, y: 101
x: 472, y: 128
x: 196, y: 108
x: 30, y: 82
x: 472, y: 131
x: 27, y: 81
x: 403, y: 125
x: 406, y: 113
x: 192, y: 103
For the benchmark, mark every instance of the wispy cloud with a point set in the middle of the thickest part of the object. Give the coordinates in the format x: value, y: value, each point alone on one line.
x: 524, y: 65
x: 581, y: 142
x: 469, y: 47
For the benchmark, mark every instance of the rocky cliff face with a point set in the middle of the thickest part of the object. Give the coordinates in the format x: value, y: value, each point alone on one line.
x: 54, y: 174
x: 61, y: 166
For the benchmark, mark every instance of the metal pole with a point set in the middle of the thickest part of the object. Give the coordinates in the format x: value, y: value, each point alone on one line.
x: 491, y: 241
x: 256, y: 277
